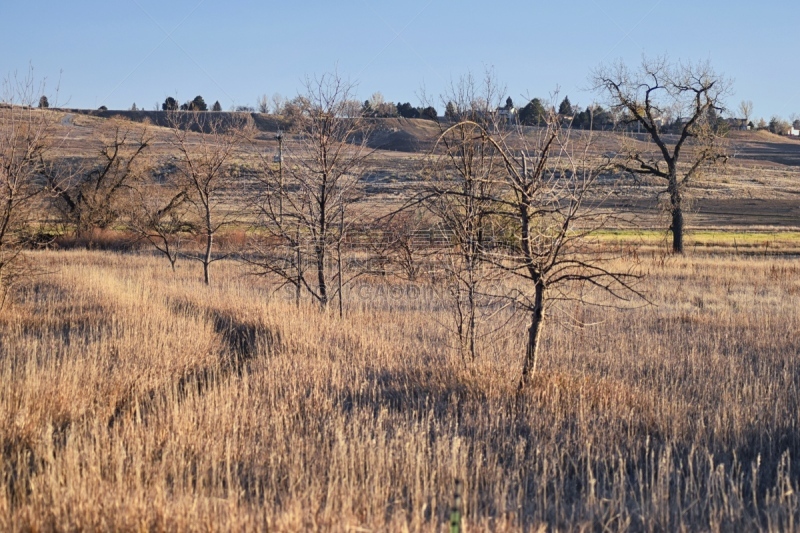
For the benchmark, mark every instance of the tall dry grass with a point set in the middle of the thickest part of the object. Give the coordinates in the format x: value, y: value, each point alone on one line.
x: 133, y: 398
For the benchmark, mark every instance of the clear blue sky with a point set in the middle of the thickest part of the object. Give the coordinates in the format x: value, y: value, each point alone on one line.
x: 118, y: 52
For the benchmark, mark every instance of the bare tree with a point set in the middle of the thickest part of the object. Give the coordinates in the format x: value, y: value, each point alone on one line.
x: 305, y: 209
x: 278, y: 104
x: 207, y: 145
x: 466, y: 170
x: 406, y: 245
x: 379, y: 107
x: 691, y: 92
x: 551, y: 210
x: 26, y: 136
x: 160, y: 215
x: 96, y: 195
x: 473, y: 99
x: 746, y: 109
x: 263, y: 103
x: 543, y: 202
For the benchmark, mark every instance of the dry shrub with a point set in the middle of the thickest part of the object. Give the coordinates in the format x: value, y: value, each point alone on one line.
x: 99, y: 239
x: 232, y: 240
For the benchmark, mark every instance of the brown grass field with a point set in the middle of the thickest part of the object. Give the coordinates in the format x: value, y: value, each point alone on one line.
x: 133, y: 398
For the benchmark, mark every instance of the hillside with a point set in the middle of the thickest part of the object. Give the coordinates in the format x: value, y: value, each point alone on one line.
x: 415, y: 135
x: 759, y: 186
x: 395, y: 134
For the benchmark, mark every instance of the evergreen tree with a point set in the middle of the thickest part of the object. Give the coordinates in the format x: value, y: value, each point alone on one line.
x: 217, y: 106
x: 450, y: 111
x: 509, y: 103
x: 566, y: 107
x: 170, y: 104
x: 134, y: 108
x: 533, y: 114
x: 407, y: 110
x: 366, y: 109
x: 429, y: 113
x: 43, y: 102
x: 583, y: 119
x: 778, y: 126
x: 602, y: 119
x: 198, y: 104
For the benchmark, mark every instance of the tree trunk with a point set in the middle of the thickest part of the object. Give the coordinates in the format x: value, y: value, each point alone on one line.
x: 339, y: 276
x: 319, y: 246
x: 298, y: 286
x: 472, y: 325
x: 677, y: 230
x: 323, y: 286
x: 339, y: 258
x: 677, y: 213
x: 209, y: 245
x: 534, y: 336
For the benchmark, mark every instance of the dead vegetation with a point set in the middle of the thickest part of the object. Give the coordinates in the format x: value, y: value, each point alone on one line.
x: 132, y: 399
x: 134, y: 396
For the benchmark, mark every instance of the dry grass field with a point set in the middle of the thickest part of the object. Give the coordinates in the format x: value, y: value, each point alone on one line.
x: 132, y: 398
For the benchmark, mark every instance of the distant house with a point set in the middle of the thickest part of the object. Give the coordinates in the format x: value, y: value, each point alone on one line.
x: 737, y: 124
x: 793, y: 132
x: 507, y: 113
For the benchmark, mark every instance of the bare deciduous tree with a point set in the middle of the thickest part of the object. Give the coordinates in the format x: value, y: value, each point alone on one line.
x: 466, y: 171
x: 25, y: 139
x: 657, y: 88
x: 746, y: 109
x: 207, y: 145
x: 475, y: 100
x: 160, y: 215
x: 262, y: 103
x: 96, y: 195
x: 278, y: 104
x: 406, y: 244
x: 542, y: 202
x: 550, y: 211
x: 306, y: 206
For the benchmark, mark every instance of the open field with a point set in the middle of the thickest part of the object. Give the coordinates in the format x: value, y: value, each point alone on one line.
x: 732, y: 240
x: 137, y: 399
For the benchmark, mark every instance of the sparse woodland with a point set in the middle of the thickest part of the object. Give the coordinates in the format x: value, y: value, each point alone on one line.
x: 208, y: 325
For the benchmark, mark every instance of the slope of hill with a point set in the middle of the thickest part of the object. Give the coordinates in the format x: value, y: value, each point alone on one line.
x: 759, y: 186
x: 396, y: 134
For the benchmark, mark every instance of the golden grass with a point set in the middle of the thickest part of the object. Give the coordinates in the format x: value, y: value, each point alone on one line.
x: 133, y: 398
x: 768, y: 242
